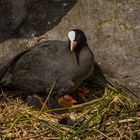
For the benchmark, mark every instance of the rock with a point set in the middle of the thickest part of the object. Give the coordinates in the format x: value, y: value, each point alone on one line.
x: 112, y: 29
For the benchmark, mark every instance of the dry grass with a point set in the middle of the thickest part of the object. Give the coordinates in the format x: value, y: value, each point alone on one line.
x: 113, y: 116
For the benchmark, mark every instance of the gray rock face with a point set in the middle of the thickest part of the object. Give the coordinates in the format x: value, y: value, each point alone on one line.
x: 113, y: 32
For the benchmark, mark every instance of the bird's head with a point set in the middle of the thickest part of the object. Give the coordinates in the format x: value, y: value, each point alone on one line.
x: 77, y: 40
x: 66, y: 101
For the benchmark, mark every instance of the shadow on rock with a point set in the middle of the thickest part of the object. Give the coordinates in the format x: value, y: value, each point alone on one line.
x: 31, y: 18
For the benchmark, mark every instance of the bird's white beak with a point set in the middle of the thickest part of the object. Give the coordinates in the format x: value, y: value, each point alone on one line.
x: 72, y: 45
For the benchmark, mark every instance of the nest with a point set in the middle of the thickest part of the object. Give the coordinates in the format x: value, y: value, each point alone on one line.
x: 112, y: 116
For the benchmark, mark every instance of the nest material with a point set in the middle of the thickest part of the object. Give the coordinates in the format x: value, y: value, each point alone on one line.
x: 113, y: 116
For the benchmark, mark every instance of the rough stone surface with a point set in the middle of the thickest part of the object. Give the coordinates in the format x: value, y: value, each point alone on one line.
x: 113, y: 31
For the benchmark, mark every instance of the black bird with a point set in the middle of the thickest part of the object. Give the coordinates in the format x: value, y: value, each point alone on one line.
x: 67, y: 64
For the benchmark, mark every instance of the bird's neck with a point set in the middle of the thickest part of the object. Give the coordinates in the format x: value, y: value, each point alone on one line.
x: 77, y: 51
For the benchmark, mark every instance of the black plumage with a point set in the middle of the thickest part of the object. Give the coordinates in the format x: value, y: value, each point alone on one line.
x: 37, y: 68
